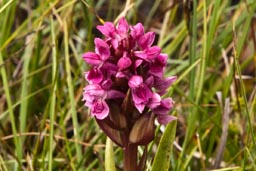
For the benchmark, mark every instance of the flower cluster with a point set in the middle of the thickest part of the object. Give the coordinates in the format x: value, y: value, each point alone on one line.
x: 126, y: 68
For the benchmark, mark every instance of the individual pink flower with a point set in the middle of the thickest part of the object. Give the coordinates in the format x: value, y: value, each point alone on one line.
x: 140, y: 92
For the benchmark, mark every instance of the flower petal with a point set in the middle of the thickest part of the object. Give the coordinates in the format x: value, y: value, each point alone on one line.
x: 108, y: 29
x: 114, y: 94
x: 153, y: 52
x: 161, y: 84
x: 135, y: 81
x: 137, y: 31
x: 94, y: 76
x: 122, y: 26
x: 92, y: 58
x: 165, y: 106
x: 102, y: 48
x: 146, y: 40
x: 140, y: 107
x: 165, y: 119
x: 100, y: 109
x: 124, y: 63
x: 154, y: 101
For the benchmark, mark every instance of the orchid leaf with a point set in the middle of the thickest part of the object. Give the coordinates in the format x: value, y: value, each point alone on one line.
x: 109, y: 156
x: 162, y: 157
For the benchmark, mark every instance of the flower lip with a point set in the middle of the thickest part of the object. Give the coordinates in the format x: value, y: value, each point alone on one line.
x: 100, y: 109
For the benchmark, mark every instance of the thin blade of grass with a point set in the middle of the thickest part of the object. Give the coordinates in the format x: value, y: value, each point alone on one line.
x: 71, y: 93
x: 53, y: 95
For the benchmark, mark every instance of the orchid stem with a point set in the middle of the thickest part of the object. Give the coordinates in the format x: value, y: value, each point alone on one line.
x: 130, y: 157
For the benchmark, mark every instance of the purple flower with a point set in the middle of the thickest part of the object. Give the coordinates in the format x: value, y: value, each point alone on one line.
x: 94, y: 76
x: 126, y: 82
x: 158, y: 65
x: 140, y: 92
x: 101, y: 55
x: 137, y: 31
x: 108, y: 29
x: 146, y: 40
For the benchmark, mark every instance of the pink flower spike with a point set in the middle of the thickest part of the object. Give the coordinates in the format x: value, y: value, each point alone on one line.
x: 124, y: 63
x: 100, y: 109
x: 108, y: 29
x: 135, y: 81
x: 146, y: 40
x: 92, y: 58
x: 122, y: 27
x: 102, y: 48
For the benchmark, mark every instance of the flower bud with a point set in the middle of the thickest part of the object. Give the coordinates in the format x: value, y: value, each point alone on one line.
x: 143, y: 130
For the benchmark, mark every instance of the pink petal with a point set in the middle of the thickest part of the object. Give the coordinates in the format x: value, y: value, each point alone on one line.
x: 146, y: 40
x: 165, y: 119
x: 162, y: 59
x: 100, y: 109
x: 153, y: 52
x: 94, y: 90
x: 102, y: 48
x: 162, y: 84
x: 149, y: 81
x: 135, y: 81
x: 137, y: 31
x: 108, y: 29
x: 106, y: 84
x: 94, y: 76
x: 92, y: 58
x: 141, y: 94
x: 141, y: 54
x: 154, y: 101
x: 165, y: 106
x: 124, y: 63
x: 113, y: 94
x: 138, y: 62
x: 140, y: 107
x: 122, y: 26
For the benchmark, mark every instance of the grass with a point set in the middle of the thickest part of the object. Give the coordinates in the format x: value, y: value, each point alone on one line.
x: 211, y: 46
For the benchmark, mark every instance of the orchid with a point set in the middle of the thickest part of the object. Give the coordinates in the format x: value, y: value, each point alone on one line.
x: 126, y: 83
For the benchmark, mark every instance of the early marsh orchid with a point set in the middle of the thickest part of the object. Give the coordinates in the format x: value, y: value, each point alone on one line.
x: 126, y: 83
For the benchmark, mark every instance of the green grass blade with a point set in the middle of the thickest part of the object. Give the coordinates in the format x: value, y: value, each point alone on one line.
x: 25, y: 84
x: 71, y: 94
x: 163, y: 154
x: 53, y: 96
x: 17, y: 142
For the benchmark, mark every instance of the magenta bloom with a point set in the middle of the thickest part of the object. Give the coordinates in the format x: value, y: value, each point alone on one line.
x: 126, y: 79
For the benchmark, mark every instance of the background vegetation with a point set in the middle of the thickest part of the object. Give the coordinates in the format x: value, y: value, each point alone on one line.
x: 211, y: 46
